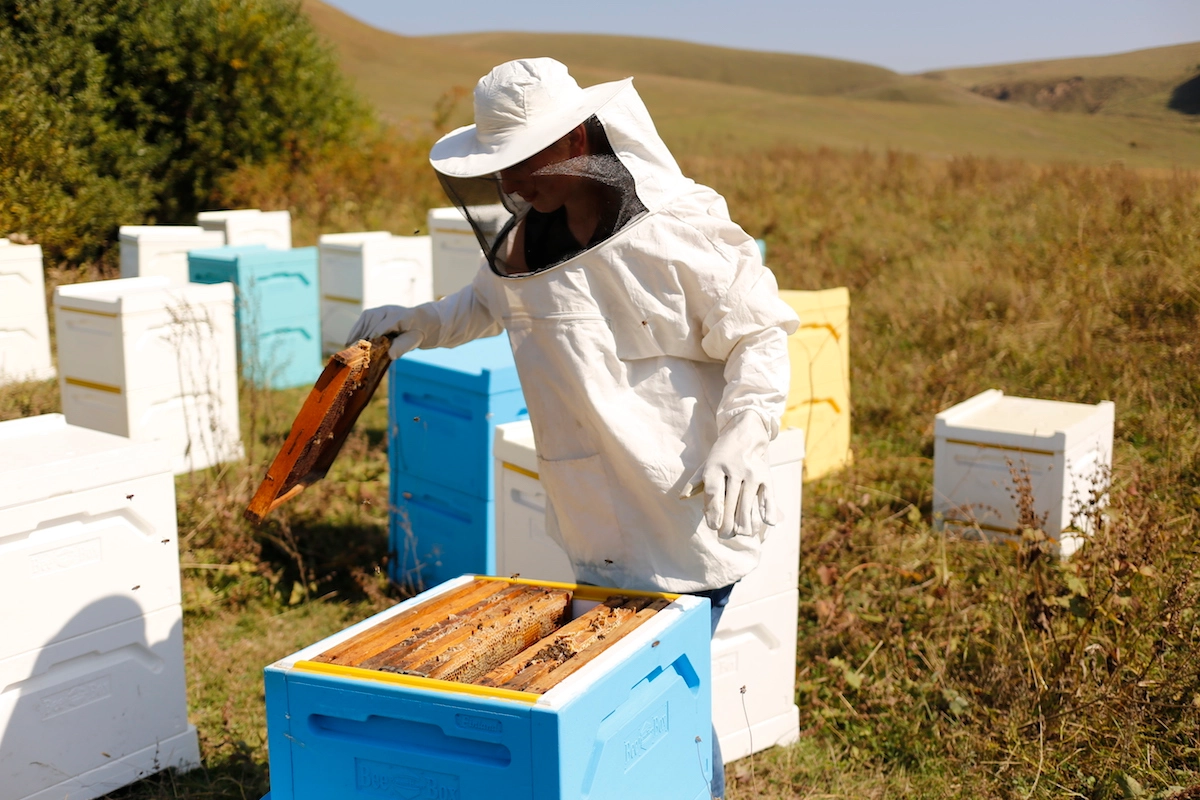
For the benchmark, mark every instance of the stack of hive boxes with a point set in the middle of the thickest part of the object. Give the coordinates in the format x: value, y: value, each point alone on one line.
x: 244, y: 226
x: 456, y: 252
x: 359, y: 715
x: 755, y: 643
x: 443, y: 407
x: 92, y: 690
x: 818, y: 400
x: 24, y: 323
x: 150, y: 250
x: 151, y: 359
x: 987, y: 447
x: 278, y: 309
x: 364, y: 270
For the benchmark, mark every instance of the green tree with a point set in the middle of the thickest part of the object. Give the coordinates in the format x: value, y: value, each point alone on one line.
x: 123, y: 111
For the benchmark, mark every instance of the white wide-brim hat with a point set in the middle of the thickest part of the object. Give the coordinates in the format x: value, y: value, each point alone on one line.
x: 521, y: 108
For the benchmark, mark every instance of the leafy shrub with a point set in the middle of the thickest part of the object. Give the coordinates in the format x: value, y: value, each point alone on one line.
x: 131, y: 111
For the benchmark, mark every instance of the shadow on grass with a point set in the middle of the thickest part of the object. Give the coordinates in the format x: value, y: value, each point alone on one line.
x: 319, y: 557
x: 236, y: 778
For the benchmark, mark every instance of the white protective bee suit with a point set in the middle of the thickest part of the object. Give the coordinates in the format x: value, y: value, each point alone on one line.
x: 634, y: 353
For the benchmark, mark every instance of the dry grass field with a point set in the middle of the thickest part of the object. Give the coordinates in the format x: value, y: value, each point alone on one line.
x: 929, y: 666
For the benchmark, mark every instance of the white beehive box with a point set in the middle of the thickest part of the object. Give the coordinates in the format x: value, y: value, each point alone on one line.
x: 84, y: 516
x: 456, y: 253
x: 522, y: 544
x: 364, y: 270
x: 778, y: 569
x: 90, y: 714
x: 754, y: 675
x: 250, y: 226
x: 748, y: 649
x: 92, y: 693
x: 1065, y: 448
x: 24, y: 323
x: 154, y: 250
x: 149, y: 359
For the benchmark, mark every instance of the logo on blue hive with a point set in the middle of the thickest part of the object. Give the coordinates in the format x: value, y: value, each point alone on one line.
x: 645, y: 734
x: 403, y: 783
x: 475, y: 723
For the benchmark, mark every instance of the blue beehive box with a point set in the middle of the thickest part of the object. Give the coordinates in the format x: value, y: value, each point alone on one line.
x: 278, y: 309
x: 443, y: 409
x: 438, y: 533
x: 633, y: 724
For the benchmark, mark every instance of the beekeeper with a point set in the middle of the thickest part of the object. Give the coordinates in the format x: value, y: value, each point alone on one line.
x: 648, y: 336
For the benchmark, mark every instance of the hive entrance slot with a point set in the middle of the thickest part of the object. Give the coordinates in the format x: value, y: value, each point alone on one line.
x: 408, y: 736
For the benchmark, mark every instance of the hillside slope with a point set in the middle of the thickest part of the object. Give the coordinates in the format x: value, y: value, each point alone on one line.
x: 710, y: 99
x: 1152, y: 82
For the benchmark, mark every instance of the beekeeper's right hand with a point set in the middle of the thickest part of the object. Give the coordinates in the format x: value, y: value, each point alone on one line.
x: 409, y: 326
x: 736, y: 478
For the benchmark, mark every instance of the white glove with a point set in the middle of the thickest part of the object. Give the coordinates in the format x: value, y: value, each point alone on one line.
x: 738, y: 499
x: 408, y: 327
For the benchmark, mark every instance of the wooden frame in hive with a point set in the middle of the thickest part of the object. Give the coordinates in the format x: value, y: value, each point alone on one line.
x: 496, y: 633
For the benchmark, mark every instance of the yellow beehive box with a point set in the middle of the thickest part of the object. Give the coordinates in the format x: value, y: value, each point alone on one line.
x: 819, y: 396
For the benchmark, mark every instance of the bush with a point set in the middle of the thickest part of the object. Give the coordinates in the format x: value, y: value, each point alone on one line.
x: 383, y: 181
x: 131, y: 111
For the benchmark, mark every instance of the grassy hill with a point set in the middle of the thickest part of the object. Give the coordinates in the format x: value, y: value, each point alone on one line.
x: 1142, y: 82
x: 709, y: 99
x: 1158, y: 63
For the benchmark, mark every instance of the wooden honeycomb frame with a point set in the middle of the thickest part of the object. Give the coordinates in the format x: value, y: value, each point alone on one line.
x: 325, y: 420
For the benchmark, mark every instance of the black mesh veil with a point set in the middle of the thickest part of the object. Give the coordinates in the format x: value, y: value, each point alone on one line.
x: 521, y: 240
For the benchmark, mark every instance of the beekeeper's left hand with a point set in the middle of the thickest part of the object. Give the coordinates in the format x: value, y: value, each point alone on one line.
x: 738, y: 500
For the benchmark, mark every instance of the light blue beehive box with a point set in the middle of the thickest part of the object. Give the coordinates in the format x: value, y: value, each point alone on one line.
x: 278, y: 309
x: 633, y: 724
x: 443, y: 408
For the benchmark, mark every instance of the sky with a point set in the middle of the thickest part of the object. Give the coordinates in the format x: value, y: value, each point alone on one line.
x: 903, y: 35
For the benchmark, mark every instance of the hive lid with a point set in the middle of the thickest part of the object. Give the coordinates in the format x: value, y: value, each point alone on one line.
x: 134, y: 295
x: 787, y: 447
x: 351, y: 239
x: 485, y: 366
x: 823, y: 299
x: 514, y: 445
x: 11, y: 251
x: 231, y: 213
x: 993, y: 412
x: 447, y: 218
x: 451, y: 218
x: 45, y: 457
x: 385, y: 246
x: 228, y: 252
x: 133, y: 233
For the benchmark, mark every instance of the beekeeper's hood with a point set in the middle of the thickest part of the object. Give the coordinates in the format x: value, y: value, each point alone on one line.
x: 521, y: 108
